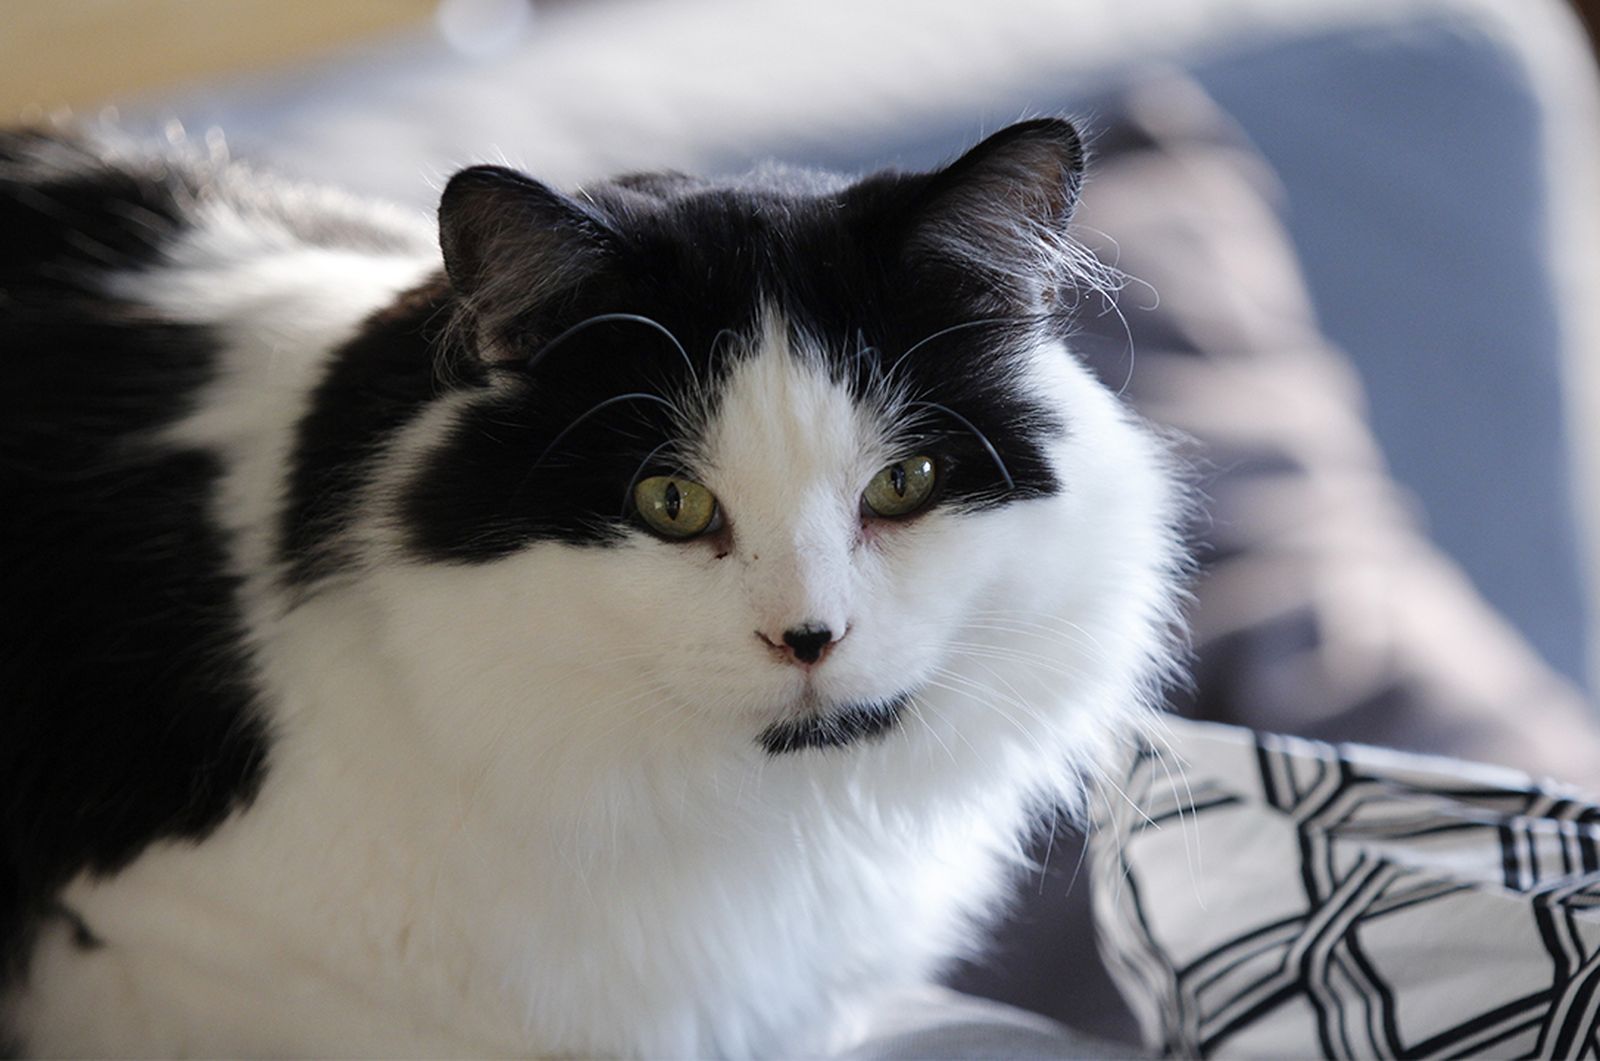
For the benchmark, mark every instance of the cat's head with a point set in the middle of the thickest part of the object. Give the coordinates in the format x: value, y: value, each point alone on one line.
x: 797, y: 460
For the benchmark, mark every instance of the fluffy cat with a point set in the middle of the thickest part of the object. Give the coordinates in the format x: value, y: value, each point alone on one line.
x: 648, y: 627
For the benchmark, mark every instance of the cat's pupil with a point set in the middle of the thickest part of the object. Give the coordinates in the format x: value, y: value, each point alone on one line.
x: 897, y: 479
x: 674, y: 500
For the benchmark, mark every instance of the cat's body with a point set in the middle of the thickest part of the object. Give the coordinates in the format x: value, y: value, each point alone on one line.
x: 347, y: 705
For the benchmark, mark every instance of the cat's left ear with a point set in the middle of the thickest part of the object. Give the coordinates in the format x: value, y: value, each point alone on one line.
x: 512, y: 244
x: 1003, y: 207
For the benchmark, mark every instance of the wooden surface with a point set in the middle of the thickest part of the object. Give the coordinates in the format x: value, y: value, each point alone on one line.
x: 84, y: 54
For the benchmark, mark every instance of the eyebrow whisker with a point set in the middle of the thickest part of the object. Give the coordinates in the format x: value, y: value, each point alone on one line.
x: 610, y: 318
x: 994, y: 454
x: 941, y: 333
x: 638, y: 473
x: 631, y: 396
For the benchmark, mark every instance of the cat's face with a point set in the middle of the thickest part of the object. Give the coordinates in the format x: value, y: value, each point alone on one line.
x: 784, y: 460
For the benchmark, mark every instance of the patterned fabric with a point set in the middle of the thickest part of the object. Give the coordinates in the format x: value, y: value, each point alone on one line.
x: 1278, y: 897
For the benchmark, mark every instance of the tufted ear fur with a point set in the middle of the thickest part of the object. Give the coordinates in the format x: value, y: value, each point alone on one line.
x: 511, y: 245
x: 1001, y: 210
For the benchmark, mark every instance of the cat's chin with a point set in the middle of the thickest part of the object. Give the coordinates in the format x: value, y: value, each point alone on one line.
x: 824, y: 725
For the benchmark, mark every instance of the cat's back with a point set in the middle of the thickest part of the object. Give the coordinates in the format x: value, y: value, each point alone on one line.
x: 83, y: 366
x: 130, y: 287
x: 103, y: 718
x: 129, y: 275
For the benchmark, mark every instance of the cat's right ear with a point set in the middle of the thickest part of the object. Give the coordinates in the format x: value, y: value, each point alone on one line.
x: 1000, y: 212
x: 512, y: 244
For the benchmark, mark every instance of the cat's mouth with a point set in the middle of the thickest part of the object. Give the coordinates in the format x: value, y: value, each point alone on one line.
x: 835, y: 726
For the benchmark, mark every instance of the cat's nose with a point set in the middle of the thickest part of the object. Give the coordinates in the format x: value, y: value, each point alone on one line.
x: 806, y: 643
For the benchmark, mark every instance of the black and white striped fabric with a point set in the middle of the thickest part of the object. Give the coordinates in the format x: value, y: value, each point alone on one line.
x: 1274, y: 897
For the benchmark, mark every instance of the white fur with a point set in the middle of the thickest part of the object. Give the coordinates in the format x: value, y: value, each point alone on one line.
x: 518, y: 807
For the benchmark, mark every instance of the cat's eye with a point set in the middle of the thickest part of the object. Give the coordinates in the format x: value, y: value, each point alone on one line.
x: 901, y: 488
x: 675, y: 508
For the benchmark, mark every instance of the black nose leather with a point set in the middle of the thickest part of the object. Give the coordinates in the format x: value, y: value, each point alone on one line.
x: 808, y: 641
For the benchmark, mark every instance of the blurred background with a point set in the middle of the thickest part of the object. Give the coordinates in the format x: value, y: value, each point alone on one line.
x: 1365, y: 237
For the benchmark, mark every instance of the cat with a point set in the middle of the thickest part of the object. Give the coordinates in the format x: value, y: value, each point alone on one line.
x: 645, y: 620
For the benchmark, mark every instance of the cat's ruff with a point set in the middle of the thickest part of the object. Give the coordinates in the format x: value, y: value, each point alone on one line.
x: 479, y: 766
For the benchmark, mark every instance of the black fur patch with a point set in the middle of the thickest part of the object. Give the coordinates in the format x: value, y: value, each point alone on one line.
x: 550, y: 453
x: 834, y: 729
x: 67, y: 213
x: 127, y: 712
x: 372, y: 387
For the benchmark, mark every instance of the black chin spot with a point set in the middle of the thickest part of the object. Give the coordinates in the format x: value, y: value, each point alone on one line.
x: 835, y: 729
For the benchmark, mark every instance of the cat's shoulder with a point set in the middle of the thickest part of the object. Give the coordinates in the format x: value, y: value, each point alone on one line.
x: 76, y: 202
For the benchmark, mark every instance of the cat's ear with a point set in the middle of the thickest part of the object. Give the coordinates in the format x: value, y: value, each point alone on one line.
x: 512, y: 244
x: 1003, y: 207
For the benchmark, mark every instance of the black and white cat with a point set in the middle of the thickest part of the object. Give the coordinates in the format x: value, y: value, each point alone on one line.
x: 649, y: 627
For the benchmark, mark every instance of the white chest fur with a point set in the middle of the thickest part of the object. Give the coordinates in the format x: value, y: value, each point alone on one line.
x: 363, y: 908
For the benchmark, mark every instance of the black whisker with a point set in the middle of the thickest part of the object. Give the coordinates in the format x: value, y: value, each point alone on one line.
x: 607, y: 318
x: 527, y: 476
x: 631, y: 396
x: 994, y: 454
x: 941, y: 333
x: 871, y: 355
x: 729, y: 332
x: 638, y: 473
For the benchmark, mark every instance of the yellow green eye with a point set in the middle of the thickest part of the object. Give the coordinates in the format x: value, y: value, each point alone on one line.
x: 675, y: 508
x: 901, y: 488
